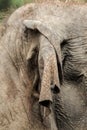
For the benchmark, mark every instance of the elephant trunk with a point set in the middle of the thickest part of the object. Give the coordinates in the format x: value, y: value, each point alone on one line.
x: 49, y: 75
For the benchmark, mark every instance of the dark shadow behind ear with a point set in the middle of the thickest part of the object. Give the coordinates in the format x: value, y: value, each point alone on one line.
x: 32, y: 59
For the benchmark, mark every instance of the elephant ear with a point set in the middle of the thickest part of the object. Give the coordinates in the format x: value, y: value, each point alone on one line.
x: 50, y: 54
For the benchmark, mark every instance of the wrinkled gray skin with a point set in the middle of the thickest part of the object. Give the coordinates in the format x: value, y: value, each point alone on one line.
x: 19, y: 48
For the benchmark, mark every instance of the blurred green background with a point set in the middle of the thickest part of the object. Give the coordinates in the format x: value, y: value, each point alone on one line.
x: 5, y: 4
x: 8, y: 6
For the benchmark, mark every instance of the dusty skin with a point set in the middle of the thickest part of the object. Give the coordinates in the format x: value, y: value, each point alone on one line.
x: 43, y: 68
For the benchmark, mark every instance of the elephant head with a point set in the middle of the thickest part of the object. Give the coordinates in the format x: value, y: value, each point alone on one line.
x: 43, y: 68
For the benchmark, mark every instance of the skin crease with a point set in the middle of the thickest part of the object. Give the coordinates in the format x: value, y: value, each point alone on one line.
x: 19, y: 106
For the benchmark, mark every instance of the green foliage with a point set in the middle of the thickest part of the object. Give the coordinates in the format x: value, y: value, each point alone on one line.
x: 4, y: 4
x: 16, y: 3
x: 27, y: 1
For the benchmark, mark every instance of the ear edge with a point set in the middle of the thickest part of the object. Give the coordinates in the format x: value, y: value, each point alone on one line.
x: 32, y: 24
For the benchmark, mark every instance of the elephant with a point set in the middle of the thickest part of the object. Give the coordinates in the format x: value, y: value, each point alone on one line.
x: 43, y: 68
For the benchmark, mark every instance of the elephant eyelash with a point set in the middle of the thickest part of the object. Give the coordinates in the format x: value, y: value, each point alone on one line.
x: 77, y: 78
x: 80, y: 78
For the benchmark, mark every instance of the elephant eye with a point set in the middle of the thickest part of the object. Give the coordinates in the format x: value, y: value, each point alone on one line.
x: 77, y: 78
x: 74, y: 76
